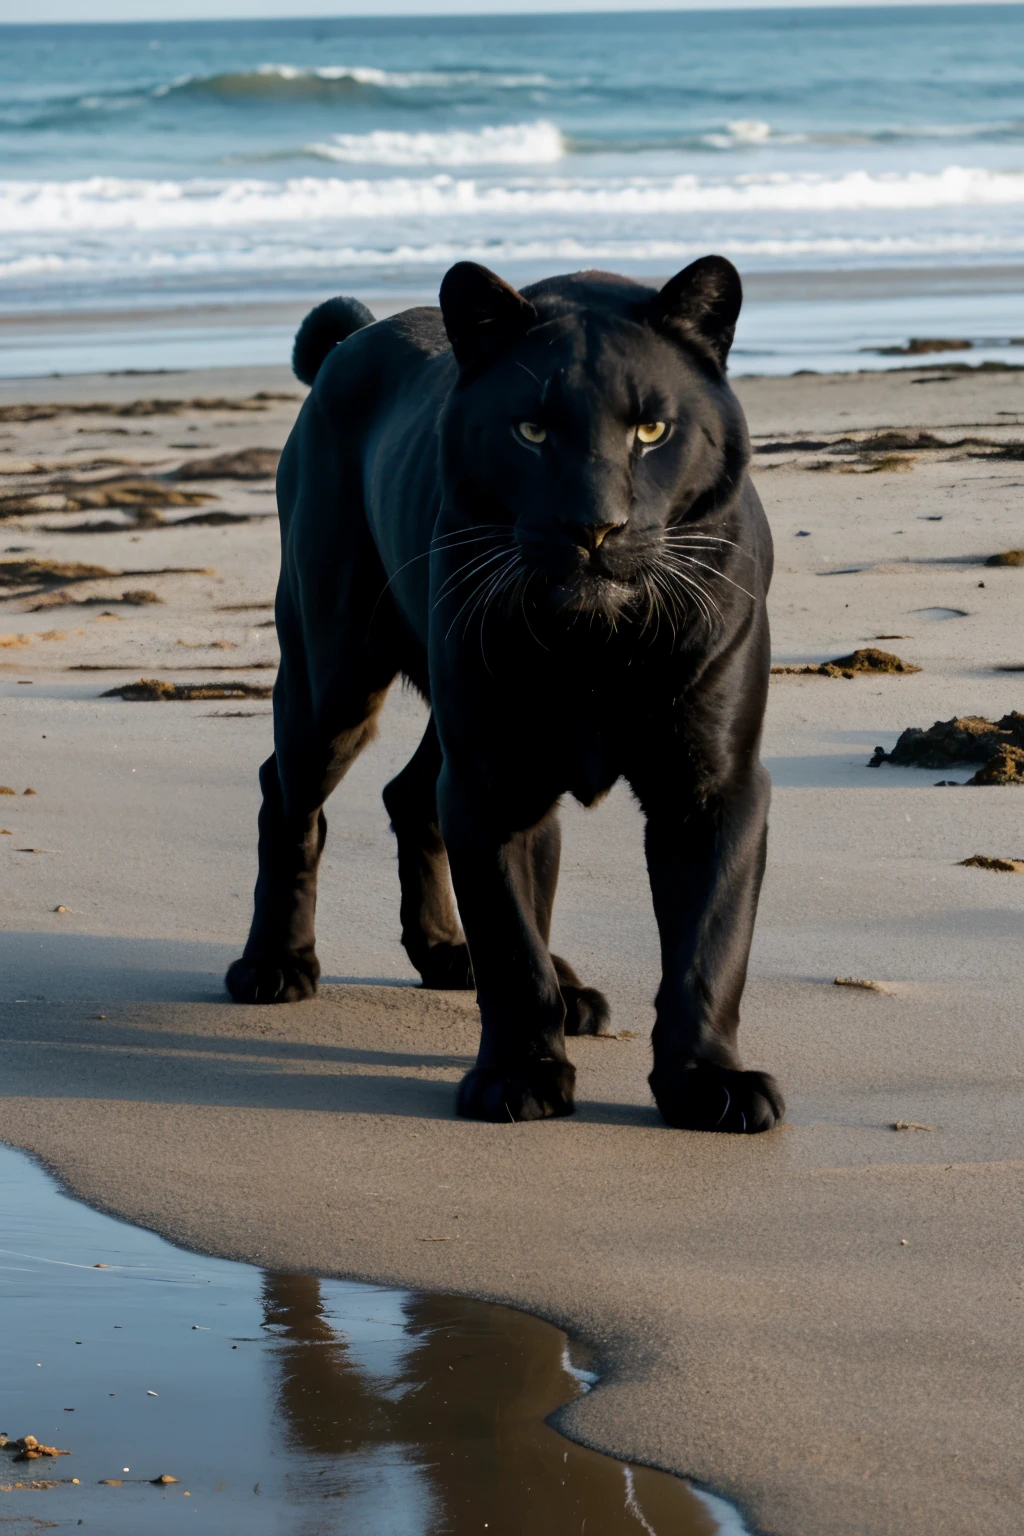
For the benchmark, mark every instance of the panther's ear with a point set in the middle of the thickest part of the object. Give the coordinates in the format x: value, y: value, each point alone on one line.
x: 481, y: 313
x: 702, y: 304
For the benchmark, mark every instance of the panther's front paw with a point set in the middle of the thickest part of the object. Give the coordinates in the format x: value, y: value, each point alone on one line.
x: 288, y: 980
x: 703, y: 1097
x: 586, y: 1011
x: 447, y: 968
x: 537, y: 1091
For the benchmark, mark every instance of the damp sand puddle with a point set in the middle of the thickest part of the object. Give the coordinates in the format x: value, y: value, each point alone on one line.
x: 283, y: 1403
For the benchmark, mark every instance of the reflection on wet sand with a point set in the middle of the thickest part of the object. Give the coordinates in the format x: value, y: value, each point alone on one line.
x: 451, y: 1395
x: 284, y: 1405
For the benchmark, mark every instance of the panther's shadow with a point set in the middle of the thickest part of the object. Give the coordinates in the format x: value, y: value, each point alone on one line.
x: 148, y: 1021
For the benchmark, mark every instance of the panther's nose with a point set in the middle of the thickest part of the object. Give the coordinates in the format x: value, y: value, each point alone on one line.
x: 590, y: 536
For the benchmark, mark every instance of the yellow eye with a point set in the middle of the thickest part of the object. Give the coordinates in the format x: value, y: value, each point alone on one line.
x: 650, y: 431
x: 531, y: 431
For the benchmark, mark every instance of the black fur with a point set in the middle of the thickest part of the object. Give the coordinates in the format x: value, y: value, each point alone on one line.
x: 321, y: 330
x: 577, y: 609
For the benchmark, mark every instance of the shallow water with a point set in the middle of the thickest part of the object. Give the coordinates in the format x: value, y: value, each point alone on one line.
x: 286, y: 1405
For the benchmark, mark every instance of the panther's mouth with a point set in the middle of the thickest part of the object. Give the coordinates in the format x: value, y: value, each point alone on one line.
x: 590, y: 592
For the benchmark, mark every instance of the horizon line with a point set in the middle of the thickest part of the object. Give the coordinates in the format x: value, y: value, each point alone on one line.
x: 524, y: 8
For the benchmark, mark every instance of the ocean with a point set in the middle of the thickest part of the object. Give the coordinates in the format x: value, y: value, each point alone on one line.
x: 863, y: 168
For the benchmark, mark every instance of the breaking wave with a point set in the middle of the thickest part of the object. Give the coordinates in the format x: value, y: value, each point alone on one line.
x: 515, y: 144
x: 103, y: 203
x: 289, y: 82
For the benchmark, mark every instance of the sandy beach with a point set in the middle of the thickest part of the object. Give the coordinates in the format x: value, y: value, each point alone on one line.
x: 823, y: 1324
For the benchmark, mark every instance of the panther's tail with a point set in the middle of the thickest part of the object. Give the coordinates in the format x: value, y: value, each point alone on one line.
x: 321, y: 331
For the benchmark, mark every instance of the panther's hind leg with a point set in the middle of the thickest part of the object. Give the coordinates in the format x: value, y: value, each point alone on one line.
x: 586, y: 1009
x: 431, y: 934
x: 279, y: 963
x: 339, y: 649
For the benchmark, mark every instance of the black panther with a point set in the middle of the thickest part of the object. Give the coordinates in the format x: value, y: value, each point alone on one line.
x: 535, y: 506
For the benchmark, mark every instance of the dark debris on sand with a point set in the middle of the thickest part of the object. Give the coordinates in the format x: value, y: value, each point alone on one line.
x: 1004, y: 767
x: 868, y: 659
x: 155, y: 407
x: 135, y: 597
x: 26, y: 573
x: 147, y: 521
x: 44, y: 573
x: 997, y: 744
x: 891, y: 450
x: 28, y: 1448
x: 155, y: 690
x: 246, y: 464
x: 133, y: 494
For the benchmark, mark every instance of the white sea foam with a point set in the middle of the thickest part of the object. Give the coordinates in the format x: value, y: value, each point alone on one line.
x: 118, y: 260
x: 105, y: 204
x: 744, y: 131
x: 405, y: 79
x: 511, y: 144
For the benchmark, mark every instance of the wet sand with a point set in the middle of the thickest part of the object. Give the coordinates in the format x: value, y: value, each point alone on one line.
x: 277, y: 1401
x: 823, y: 1324
x: 792, y: 319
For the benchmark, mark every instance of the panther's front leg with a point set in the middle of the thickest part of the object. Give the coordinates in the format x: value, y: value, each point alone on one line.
x: 521, y: 1072
x: 706, y: 861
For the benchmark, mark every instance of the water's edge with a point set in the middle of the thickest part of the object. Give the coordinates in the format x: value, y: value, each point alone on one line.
x: 572, y: 1348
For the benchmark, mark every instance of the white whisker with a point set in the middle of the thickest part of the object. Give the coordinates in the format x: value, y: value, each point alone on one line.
x: 489, y: 589
x: 471, y: 567
x: 698, y: 591
x: 475, y: 592
x: 453, y: 540
x: 716, y: 572
x: 502, y: 583
x: 522, y: 605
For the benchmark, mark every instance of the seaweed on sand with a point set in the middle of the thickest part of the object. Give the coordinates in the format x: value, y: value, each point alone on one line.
x: 153, y: 407
x: 997, y: 744
x: 155, y: 690
x: 43, y: 573
x: 246, y: 464
x: 868, y: 659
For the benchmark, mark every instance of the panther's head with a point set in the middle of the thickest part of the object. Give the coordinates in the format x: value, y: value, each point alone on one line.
x: 592, y: 429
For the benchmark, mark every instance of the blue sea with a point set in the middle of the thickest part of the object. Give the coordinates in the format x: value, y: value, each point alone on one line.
x: 170, y: 166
